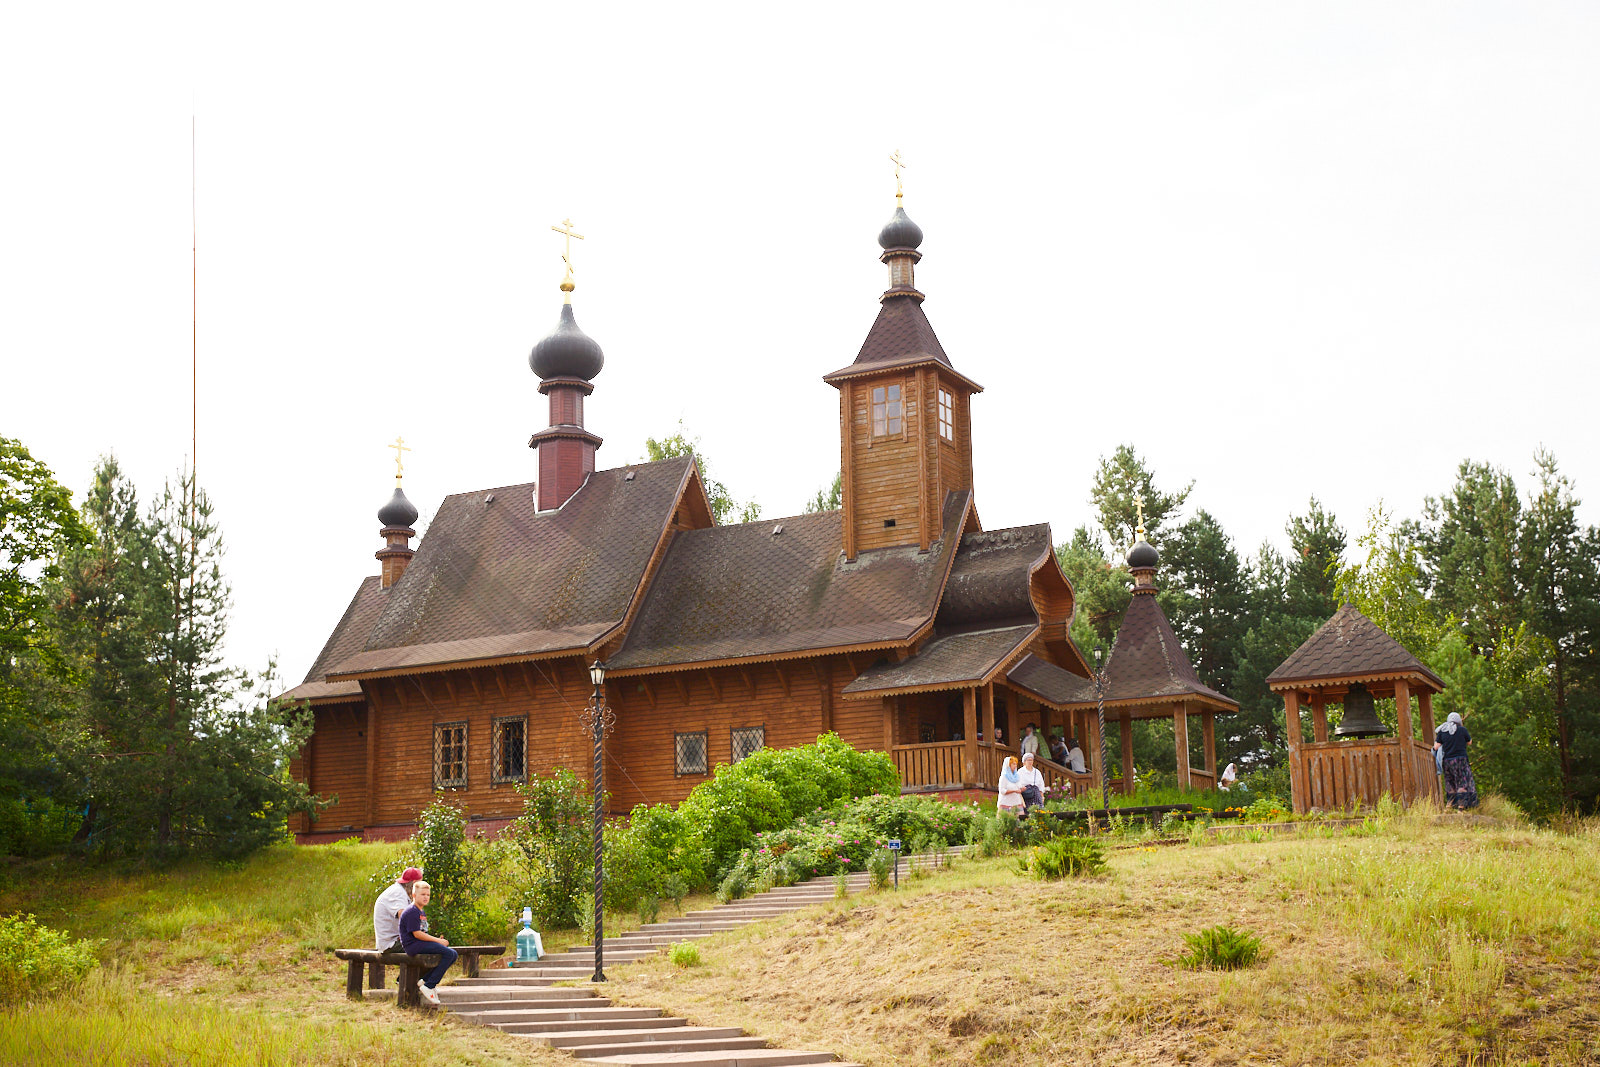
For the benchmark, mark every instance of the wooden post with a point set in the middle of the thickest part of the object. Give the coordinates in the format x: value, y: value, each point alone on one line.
x: 1425, y: 706
x: 1127, y: 752
x: 352, y: 980
x: 1291, y: 730
x: 1093, y: 753
x: 987, y: 696
x: 1319, y: 717
x: 1180, y: 741
x: 1402, y: 708
x: 375, y: 976
x: 371, y: 815
x: 888, y: 725
x: 825, y: 695
x: 1208, y: 737
x: 969, y: 734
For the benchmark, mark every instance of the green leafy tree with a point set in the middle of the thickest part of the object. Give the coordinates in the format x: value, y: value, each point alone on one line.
x: 1317, y: 543
x: 1468, y: 542
x: 1119, y: 478
x: 1206, y: 596
x: 1101, y: 591
x: 723, y: 505
x: 37, y: 524
x: 178, y: 752
x: 829, y: 499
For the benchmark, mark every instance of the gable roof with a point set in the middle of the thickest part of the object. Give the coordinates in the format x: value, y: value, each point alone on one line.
x: 1348, y: 645
x: 496, y: 578
x: 746, y: 592
x: 1049, y: 683
x: 989, y: 583
x: 346, y: 640
x: 1147, y: 662
x: 957, y: 660
x: 900, y: 336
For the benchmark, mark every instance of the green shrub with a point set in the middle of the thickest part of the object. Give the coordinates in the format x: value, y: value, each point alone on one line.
x: 880, y: 869
x: 841, y: 885
x: 684, y: 954
x: 1268, y: 781
x: 33, y: 828
x: 996, y: 834
x: 1064, y: 857
x: 458, y: 870
x: 585, y: 908
x: 36, y: 961
x: 551, y: 843
x: 733, y: 887
x: 1172, y: 824
x: 1219, y: 948
x: 1265, y: 809
x: 649, y: 909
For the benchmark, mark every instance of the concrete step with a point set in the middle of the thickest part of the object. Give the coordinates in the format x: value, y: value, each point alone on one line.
x: 672, y: 1044
x: 486, y: 1007
x: 755, y: 1057
x: 570, y: 1039
x: 533, y: 1030
x: 506, y: 991
x: 497, y: 1016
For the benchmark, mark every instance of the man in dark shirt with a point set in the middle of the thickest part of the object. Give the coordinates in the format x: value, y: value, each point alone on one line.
x: 416, y: 939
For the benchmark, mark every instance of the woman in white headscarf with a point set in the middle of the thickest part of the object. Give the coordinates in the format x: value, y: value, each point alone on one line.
x: 1452, y: 739
x: 1229, y: 776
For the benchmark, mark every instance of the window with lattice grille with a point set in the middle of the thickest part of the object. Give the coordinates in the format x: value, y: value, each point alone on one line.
x: 886, y: 410
x: 449, y: 755
x: 947, y: 415
x: 691, y: 752
x: 747, y: 740
x: 509, y: 760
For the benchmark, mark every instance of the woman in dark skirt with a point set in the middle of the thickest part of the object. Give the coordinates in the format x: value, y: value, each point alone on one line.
x: 1451, y: 740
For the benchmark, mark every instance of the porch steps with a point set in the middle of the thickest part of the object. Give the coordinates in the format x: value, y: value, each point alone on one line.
x: 522, y: 1001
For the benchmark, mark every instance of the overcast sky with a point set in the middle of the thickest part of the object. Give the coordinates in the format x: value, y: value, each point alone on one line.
x: 1283, y: 249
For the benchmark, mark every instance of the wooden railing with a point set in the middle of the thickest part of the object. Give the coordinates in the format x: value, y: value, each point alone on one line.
x: 1341, y: 775
x: 1201, y: 779
x: 937, y: 764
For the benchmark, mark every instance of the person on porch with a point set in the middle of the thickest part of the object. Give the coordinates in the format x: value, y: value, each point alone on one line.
x: 1033, y: 787
x: 1058, y: 749
x: 1030, y: 740
x: 1074, y: 760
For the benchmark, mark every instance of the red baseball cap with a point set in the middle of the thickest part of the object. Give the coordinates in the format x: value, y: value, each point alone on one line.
x: 410, y: 874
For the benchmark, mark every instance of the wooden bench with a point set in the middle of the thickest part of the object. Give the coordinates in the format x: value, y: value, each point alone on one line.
x: 412, y: 968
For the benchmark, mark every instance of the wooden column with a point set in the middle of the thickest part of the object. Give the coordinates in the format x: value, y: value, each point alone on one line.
x: 987, y: 696
x: 1208, y: 737
x: 1291, y: 733
x: 1402, y: 708
x: 1319, y: 718
x: 969, y: 731
x: 1093, y: 754
x: 1180, y: 741
x: 1127, y: 753
x: 888, y: 724
x: 1425, y: 706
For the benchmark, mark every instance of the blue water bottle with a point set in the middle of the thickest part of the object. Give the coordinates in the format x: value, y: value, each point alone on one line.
x: 527, y: 939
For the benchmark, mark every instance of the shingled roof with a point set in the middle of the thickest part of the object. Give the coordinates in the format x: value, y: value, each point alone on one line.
x: 901, y: 336
x: 989, y: 581
x: 1051, y: 684
x: 957, y: 660
x: 1349, y: 645
x: 747, y: 591
x: 1148, y: 664
x: 494, y: 578
x: 346, y: 640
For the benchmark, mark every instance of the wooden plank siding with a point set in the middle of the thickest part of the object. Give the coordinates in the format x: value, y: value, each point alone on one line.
x: 337, y: 766
x: 885, y: 475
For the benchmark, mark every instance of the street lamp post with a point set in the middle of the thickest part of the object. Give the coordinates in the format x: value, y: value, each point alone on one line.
x: 1100, y: 705
x: 598, y: 719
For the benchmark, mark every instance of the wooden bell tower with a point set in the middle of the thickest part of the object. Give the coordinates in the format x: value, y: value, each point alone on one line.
x: 905, y: 425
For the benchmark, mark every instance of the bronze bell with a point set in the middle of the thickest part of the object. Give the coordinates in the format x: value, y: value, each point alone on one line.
x: 1360, y: 717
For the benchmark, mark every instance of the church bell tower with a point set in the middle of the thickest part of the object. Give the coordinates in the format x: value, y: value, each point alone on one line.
x: 905, y: 423
x: 566, y: 362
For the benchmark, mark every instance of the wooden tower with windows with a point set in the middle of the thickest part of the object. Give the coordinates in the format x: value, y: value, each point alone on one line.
x: 905, y: 420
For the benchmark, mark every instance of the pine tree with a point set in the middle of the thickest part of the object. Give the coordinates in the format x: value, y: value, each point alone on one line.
x: 1117, y: 481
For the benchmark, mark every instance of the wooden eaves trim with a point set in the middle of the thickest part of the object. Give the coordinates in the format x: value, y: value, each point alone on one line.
x: 460, y: 665
x: 1331, y: 680
x: 867, y: 370
x: 1003, y: 664
x: 1222, y: 706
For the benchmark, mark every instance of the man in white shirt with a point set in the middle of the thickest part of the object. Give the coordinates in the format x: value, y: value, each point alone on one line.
x: 386, y: 911
x: 1033, y: 787
x: 1075, y: 758
x: 1030, y: 741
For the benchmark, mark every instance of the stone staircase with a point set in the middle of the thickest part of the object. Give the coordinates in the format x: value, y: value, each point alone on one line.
x: 525, y: 1002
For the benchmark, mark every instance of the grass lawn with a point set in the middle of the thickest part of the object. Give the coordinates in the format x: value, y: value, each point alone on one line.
x: 210, y: 965
x: 1402, y: 942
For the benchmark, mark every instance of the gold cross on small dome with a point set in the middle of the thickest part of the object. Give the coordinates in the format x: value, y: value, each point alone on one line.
x: 566, y: 230
x: 399, y: 447
x: 899, y: 166
x: 1138, y: 502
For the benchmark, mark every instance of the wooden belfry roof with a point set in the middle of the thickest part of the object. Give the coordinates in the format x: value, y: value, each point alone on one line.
x: 1349, y: 648
x: 1148, y: 664
x: 901, y: 336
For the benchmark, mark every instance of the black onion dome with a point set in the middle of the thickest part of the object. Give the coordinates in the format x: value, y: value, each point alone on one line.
x: 900, y: 231
x: 568, y: 352
x: 1143, y: 555
x: 398, y: 511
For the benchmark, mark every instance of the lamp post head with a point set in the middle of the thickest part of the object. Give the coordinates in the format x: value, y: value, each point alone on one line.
x: 597, y: 673
x: 1099, y: 653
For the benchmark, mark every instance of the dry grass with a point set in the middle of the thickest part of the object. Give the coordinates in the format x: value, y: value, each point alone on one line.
x: 1408, y: 942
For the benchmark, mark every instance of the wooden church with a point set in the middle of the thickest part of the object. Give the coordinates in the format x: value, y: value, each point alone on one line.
x: 896, y: 622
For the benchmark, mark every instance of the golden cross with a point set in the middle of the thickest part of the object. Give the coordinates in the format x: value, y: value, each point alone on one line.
x: 567, y: 231
x: 899, y: 165
x: 1138, y: 502
x: 399, y: 447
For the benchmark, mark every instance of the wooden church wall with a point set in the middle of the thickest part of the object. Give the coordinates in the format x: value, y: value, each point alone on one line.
x: 885, y: 470
x: 337, y: 756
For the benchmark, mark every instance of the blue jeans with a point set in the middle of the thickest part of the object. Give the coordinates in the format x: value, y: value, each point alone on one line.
x: 447, y: 956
